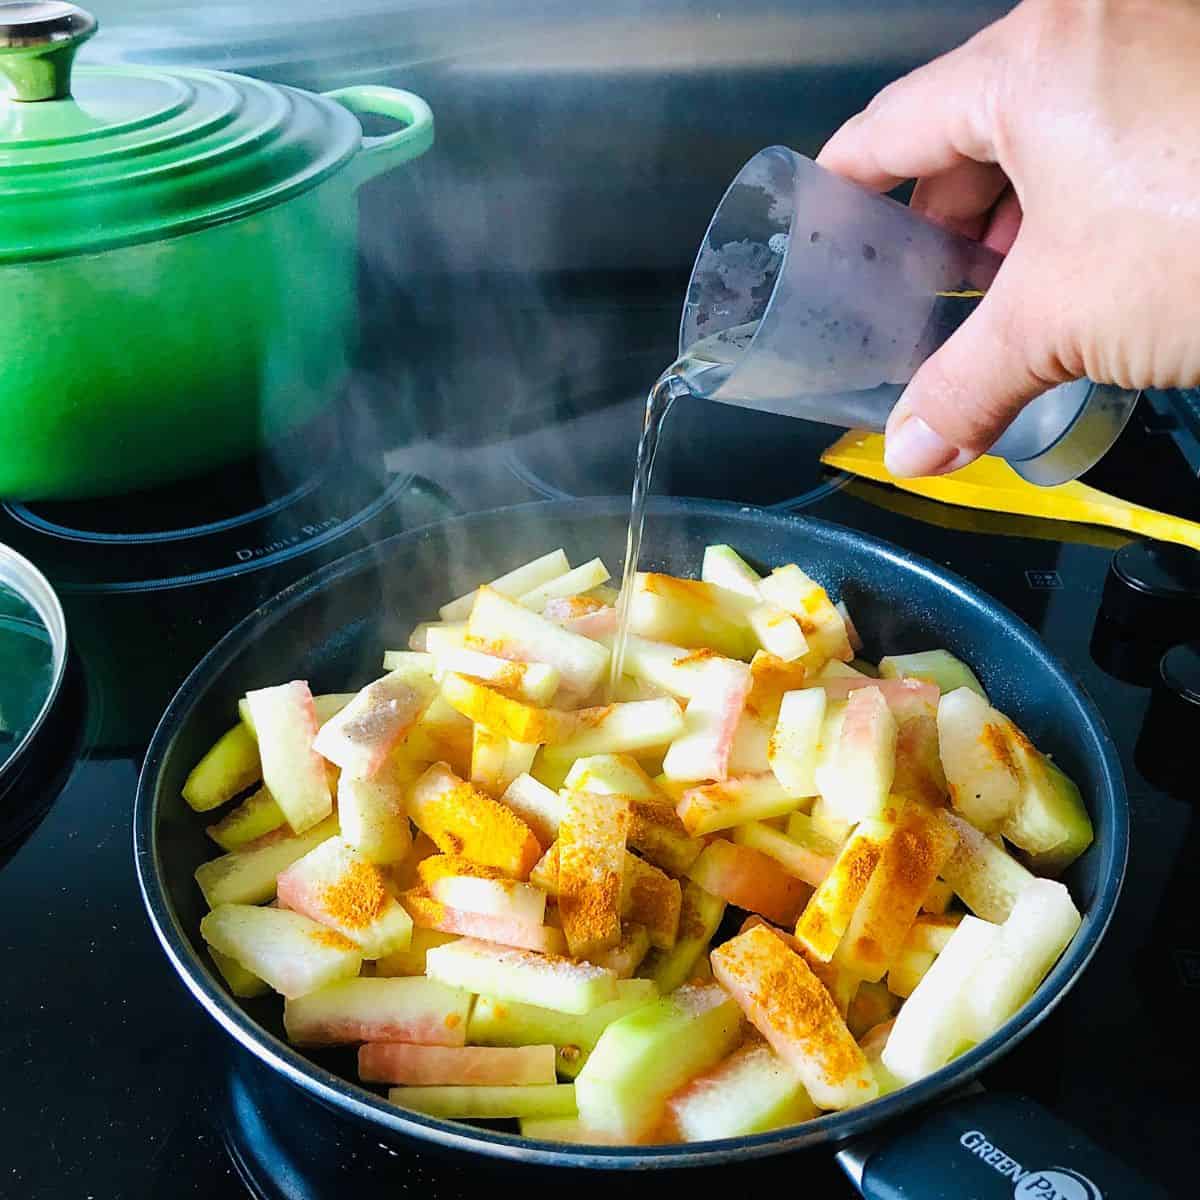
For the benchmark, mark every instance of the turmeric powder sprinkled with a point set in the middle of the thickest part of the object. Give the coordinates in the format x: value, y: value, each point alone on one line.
x: 816, y: 600
x: 786, y: 1002
x: 866, y: 947
x: 502, y: 712
x: 446, y: 866
x: 332, y: 940
x: 772, y: 677
x: 591, y: 908
x: 496, y: 647
x: 704, y: 654
x: 690, y: 592
x: 591, y: 862
x: 589, y: 718
x: 578, y: 606
x: 467, y: 822
x: 860, y: 864
x: 1018, y: 736
x: 995, y: 740
x: 357, y: 898
x: 815, y: 922
x: 426, y: 912
x: 510, y: 678
x: 913, y: 854
x: 831, y: 907
x: 656, y: 812
x: 909, y: 863
x: 692, y: 925
x: 654, y: 901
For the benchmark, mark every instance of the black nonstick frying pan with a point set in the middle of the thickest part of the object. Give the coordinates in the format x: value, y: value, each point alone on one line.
x: 332, y: 629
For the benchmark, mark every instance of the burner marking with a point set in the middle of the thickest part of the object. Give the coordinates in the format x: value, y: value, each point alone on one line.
x: 1043, y: 581
x: 276, y: 552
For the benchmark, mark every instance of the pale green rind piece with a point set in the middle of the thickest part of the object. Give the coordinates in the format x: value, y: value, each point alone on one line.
x: 325, y: 706
x: 1039, y: 928
x: 984, y: 876
x: 293, y: 954
x: 699, y: 915
x: 644, y: 1057
x: 931, y: 1027
x: 564, y: 1129
x: 242, y: 983
x: 515, y: 583
x: 488, y: 1103
x: 752, y: 1091
x: 248, y: 876
x: 725, y: 567
x: 521, y: 975
x: 230, y: 766
x: 255, y: 817
x: 939, y: 667
x: 1049, y: 821
x: 508, y: 1023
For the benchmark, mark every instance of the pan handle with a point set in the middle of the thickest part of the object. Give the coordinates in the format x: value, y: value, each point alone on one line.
x: 379, y: 154
x: 988, y: 1146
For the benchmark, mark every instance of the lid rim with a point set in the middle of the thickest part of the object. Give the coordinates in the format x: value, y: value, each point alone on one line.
x: 19, y: 574
x: 232, y: 147
x: 1171, y: 674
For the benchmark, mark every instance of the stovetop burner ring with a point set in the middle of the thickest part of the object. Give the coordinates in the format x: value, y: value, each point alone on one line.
x: 310, y: 537
x: 551, y: 491
x: 576, y: 435
x: 32, y: 520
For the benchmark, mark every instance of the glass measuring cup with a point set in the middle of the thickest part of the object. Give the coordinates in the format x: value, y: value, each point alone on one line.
x: 816, y: 298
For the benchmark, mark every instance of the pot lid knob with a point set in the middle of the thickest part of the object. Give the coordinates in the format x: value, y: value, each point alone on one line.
x: 38, y: 40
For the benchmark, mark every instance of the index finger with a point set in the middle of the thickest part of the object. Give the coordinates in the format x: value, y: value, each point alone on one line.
x: 932, y: 119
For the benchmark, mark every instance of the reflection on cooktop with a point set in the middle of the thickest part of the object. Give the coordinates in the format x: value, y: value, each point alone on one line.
x: 714, y: 451
x: 285, y: 1146
x: 30, y: 787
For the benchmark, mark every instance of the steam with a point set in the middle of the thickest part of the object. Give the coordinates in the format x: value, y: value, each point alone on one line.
x: 580, y: 153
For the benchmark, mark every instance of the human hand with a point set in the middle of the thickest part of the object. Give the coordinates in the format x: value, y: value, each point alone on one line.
x: 1066, y: 135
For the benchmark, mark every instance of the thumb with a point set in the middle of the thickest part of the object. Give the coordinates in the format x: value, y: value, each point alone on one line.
x: 965, y: 395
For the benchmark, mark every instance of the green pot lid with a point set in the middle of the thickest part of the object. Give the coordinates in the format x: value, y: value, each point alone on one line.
x: 108, y: 156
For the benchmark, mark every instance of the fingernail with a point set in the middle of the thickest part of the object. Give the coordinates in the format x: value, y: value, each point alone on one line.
x: 914, y: 448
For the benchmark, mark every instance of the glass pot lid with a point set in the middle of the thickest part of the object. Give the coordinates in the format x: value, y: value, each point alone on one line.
x: 33, y: 654
x: 98, y: 157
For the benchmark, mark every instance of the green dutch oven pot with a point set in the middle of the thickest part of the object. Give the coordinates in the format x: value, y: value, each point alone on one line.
x: 178, y: 254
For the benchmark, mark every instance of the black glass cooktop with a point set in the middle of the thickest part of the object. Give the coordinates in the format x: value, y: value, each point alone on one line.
x: 114, y: 1084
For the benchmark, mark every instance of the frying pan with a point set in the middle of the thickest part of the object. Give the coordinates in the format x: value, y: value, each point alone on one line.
x: 332, y: 628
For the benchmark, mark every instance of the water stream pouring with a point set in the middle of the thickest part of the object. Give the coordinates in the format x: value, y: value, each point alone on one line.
x: 814, y: 297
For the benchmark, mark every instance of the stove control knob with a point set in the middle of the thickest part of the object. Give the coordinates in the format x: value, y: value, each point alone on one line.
x: 1153, y: 590
x: 1151, y: 601
x: 1172, y: 721
x: 1178, y: 686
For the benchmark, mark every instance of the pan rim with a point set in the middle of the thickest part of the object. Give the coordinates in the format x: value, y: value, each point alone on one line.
x: 828, y: 1130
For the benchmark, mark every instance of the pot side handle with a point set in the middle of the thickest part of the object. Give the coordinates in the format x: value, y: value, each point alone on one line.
x: 988, y: 1146
x: 379, y: 154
